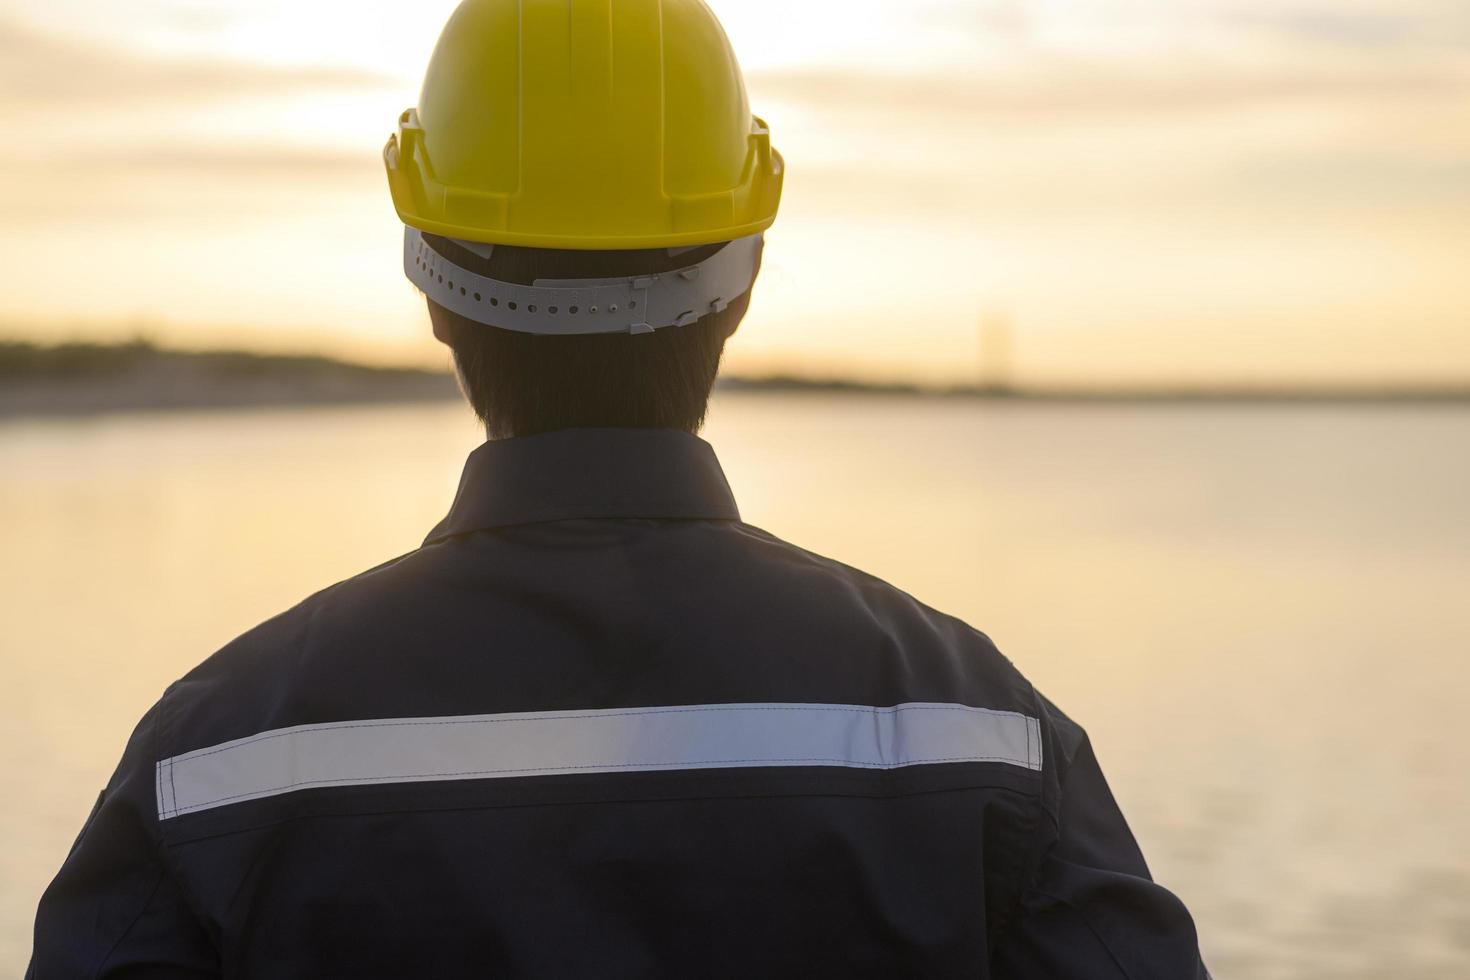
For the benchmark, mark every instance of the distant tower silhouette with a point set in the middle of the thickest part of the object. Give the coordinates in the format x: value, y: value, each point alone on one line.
x: 995, y: 353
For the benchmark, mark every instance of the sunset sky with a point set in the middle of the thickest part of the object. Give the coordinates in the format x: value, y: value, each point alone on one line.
x: 1147, y: 190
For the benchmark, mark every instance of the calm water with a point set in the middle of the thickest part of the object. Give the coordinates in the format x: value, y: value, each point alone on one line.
x: 1261, y: 613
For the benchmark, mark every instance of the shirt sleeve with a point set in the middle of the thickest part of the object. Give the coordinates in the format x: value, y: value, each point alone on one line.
x: 1090, y: 908
x: 115, y: 909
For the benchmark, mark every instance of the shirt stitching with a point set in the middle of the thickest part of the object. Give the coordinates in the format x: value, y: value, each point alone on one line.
x: 1028, y: 742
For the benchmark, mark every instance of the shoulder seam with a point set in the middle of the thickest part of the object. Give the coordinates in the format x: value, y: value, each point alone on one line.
x: 167, y: 864
x: 870, y: 578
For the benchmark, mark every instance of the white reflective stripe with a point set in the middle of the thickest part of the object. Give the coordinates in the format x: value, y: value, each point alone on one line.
x: 544, y: 743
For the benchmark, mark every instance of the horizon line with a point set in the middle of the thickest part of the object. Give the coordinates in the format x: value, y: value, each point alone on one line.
x: 110, y: 355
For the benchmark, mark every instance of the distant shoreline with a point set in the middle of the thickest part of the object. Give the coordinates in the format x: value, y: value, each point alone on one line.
x: 1042, y: 393
x: 84, y: 379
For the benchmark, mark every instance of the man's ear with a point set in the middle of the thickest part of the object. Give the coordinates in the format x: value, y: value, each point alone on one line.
x: 440, y: 323
x: 743, y: 303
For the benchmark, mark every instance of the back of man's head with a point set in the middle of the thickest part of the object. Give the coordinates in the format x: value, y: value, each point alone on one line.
x: 584, y: 191
x: 523, y: 383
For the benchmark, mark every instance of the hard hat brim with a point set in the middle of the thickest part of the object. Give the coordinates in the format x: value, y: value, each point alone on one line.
x: 425, y: 203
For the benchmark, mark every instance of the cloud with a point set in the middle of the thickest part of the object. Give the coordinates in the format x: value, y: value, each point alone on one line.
x: 1365, y: 180
x: 228, y: 161
x: 122, y: 184
x: 1082, y: 89
x: 1401, y: 23
x: 43, y: 70
x: 1003, y: 18
x: 104, y: 183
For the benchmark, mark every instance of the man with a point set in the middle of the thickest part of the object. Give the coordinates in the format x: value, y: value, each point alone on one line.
x: 597, y: 726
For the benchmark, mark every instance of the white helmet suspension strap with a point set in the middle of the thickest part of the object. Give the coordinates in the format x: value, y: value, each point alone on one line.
x: 624, y: 304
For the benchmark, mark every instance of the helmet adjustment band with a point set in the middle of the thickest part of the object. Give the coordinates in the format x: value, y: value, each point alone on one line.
x: 568, y: 307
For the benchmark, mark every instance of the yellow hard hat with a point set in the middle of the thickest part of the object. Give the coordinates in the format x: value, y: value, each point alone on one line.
x: 584, y: 124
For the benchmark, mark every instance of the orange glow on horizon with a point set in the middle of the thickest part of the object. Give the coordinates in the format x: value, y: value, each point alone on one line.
x: 1158, y: 192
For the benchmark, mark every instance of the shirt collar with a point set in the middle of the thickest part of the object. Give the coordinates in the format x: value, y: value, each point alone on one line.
x: 662, y: 474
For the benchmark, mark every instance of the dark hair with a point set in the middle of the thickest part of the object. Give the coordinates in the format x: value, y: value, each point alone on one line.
x: 522, y: 383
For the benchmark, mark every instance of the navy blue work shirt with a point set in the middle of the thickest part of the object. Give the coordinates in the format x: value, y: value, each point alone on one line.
x: 599, y: 727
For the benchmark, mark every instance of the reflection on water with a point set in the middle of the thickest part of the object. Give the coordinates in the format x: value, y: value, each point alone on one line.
x: 1259, y: 612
